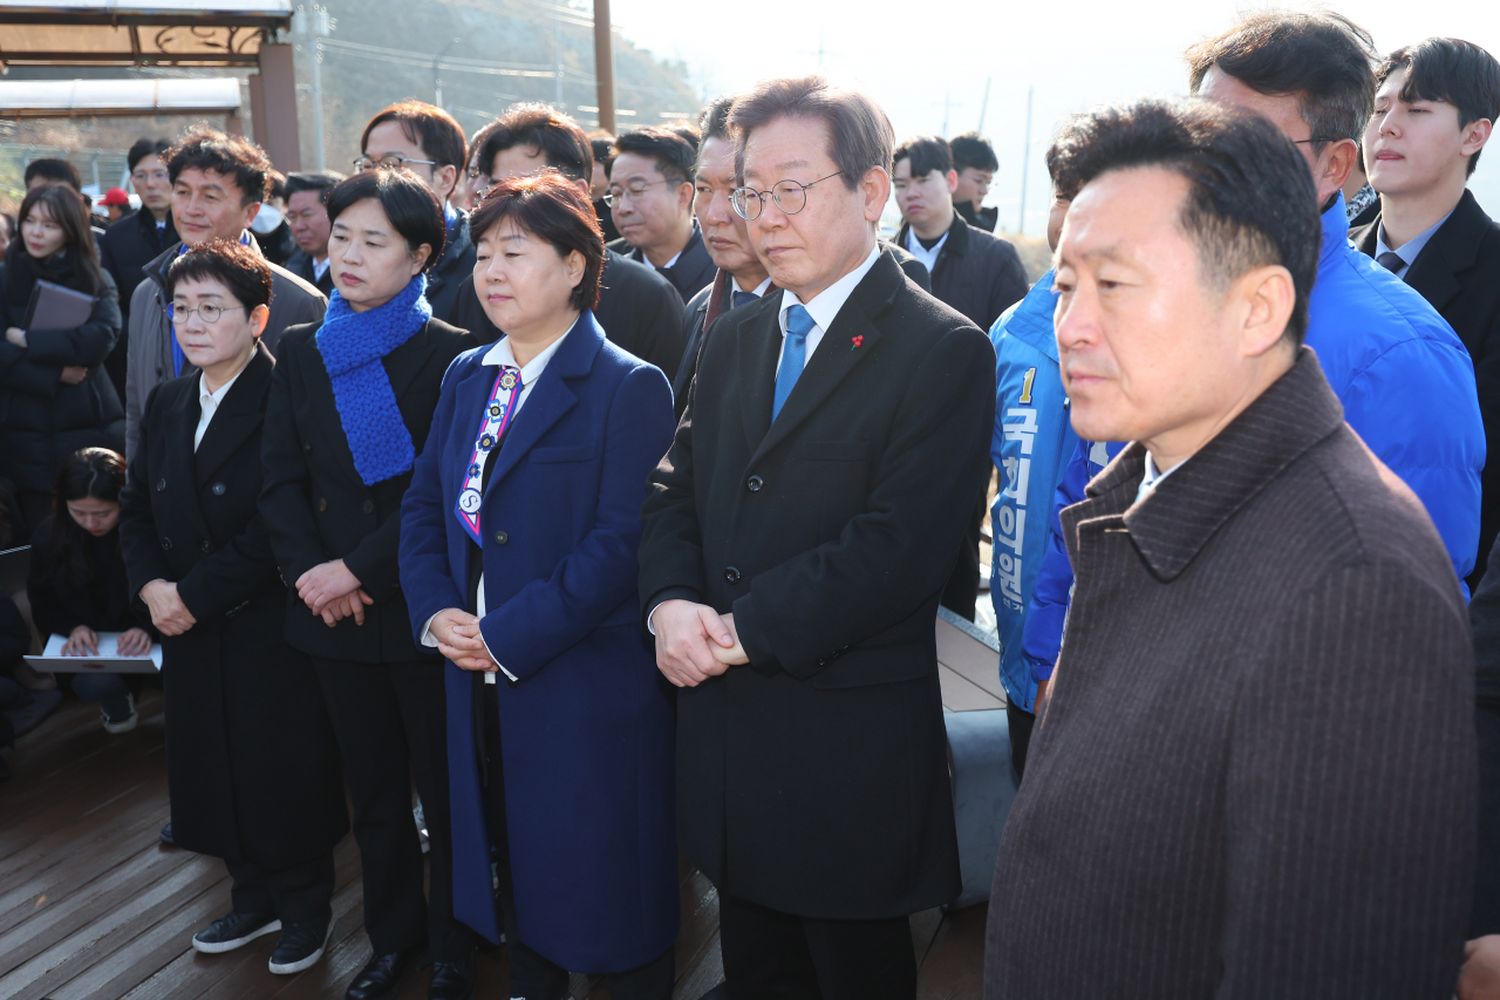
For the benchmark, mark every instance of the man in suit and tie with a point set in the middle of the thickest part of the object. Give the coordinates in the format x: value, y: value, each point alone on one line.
x: 308, y: 218
x: 1435, y: 107
x: 796, y: 540
x: 651, y: 201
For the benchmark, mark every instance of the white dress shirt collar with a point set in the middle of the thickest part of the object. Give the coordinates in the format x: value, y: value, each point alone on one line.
x: 825, y: 306
x: 209, y: 402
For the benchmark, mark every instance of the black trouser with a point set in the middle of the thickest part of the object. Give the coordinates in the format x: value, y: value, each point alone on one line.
x: 1019, y: 722
x: 532, y: 976
x: 295, y: 895
x: 388, y: 718
x: 769, y: 955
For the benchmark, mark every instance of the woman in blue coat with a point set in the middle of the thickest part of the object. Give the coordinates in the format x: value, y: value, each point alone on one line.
x: 518, y: 561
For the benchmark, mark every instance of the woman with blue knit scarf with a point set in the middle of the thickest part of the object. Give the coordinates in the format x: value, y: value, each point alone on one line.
x: 350, y: 406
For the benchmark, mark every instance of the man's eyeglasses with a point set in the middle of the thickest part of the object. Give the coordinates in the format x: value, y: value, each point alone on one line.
x: 616, y: 195
x: 790, y: 197
x: 392, y: 162
x: 208, y: 312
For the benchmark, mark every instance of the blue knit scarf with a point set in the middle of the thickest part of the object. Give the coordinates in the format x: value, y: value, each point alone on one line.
x: 352, y: 345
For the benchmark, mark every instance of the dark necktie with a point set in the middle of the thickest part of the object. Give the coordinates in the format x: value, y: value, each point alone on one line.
x: 739, y: 298
x: 1391, y: 261
x: 799, y: 324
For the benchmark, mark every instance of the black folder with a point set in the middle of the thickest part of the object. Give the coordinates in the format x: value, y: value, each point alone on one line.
x: 57, y: 307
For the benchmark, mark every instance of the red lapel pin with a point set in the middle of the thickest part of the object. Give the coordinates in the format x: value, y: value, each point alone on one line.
x: 855, y: 341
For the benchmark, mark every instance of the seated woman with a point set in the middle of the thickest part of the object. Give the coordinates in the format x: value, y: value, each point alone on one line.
x: 518, y: 559
x: 252, y: 772
x: 55, y: 395
x: 77, y: 583
x: 350, y: 405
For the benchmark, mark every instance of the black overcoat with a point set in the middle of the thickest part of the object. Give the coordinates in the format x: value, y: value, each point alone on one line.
x: 251, y: 767
x: 1458, y: 272
x: 316, y: 506
x: 815, y: 780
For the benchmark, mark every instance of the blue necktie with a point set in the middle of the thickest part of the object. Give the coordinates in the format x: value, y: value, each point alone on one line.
x: 793, y: 355
x: 739, y: 298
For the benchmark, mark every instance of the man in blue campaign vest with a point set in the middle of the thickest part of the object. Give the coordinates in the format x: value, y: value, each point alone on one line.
x: 1404, y: 378
x: 1032, y: 443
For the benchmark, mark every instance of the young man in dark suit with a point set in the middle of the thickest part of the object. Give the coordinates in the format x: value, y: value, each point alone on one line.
x: 638, y: 308
x: 307, y: 217
x: 651, y: 200
x: 1435, y: 108
x: 796, y: 541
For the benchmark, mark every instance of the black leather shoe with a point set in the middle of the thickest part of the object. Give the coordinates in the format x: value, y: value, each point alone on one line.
x: 166, y: 835
x: 382, y: 974
x: 451, y: 980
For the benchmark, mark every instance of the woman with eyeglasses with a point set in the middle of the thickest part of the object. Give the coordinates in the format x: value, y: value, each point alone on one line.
x: 252, y: 773
x: 55, y: 396
x: 518, y: 557
x: 349, y: 410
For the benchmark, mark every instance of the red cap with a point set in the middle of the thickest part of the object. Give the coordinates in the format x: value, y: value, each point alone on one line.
x: 115, y: 196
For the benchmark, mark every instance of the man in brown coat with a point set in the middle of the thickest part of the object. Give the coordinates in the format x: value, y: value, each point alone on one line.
x: 1255, y: 776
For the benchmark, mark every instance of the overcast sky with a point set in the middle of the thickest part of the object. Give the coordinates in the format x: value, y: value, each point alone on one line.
x: 928, y: 63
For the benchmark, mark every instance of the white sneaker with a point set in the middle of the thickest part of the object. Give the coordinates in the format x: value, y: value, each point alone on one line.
x: 125, y: 725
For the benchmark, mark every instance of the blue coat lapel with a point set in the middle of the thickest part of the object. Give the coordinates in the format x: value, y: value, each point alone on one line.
x: 550, y: 399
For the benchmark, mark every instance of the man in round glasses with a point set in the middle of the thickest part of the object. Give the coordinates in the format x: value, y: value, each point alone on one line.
x: 429, y: 142
x: 218, y: 182
x: 650, y: 198
x: 796, y: 540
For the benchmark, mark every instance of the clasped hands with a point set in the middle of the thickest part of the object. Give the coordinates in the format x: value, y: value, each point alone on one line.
x: 694, y: 642
x: 333, y: 593
x: 168, y: 613
x: 458, y: 638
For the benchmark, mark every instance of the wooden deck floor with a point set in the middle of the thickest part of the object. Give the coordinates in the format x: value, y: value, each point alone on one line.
x: 91, y: 906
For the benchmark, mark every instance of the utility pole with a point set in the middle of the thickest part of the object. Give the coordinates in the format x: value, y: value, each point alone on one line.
x: 437, y: 80
x: 604, y: 67
x: 1025, y: 161
x: 984, y: 105
x: 312, y: 25
x: 557, y: 65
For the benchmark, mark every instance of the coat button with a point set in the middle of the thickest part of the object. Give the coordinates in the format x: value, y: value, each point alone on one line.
x: 731, y: 575
x: 161, y: 484
x: 322, y: 504
x: 203, y: 546
x: 368, y: 506
x: 306, y: 447
x: 755, y: 484
x: 501, y: 538
x: 166, y: 544
x: 217, y: 489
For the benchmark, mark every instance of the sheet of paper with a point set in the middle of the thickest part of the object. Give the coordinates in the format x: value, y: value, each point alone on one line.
x: 109, y: 660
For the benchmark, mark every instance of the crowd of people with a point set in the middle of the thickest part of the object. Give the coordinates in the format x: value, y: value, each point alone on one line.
x: 603, y: 491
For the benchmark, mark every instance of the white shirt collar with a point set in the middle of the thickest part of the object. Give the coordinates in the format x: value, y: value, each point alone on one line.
x: 922, y: 253
x: 825, y: 306
x: 1151, y: 478
x: 205, y: 398
x: 759, y: 291
x: 501, y: 354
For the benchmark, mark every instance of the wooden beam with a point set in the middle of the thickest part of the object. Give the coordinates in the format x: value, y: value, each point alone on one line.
x: 604, y: 66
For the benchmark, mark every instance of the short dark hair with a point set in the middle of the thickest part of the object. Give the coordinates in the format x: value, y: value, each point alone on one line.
x: 1450, y: 70
x: 321, y: 181
x: 674, y: 155
x: 1251, y: 200
x: 10, y: 224
x: 232, y: 156
x: 557, y: 137
x: 973, y: 150
x: 232, y: 264
x: 429, y: 126
x: 277, y: 184
x: 713, y: 123
x: 689, y: 134
x: 66, y: 207
x: 550, y: 207
x: 859, y: 133
x: 142, y: 148
x: 1323, y: 58
x: 412, y: 206
x: 926, y: 153
x: 54, y: 171
x: 603, y: 146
